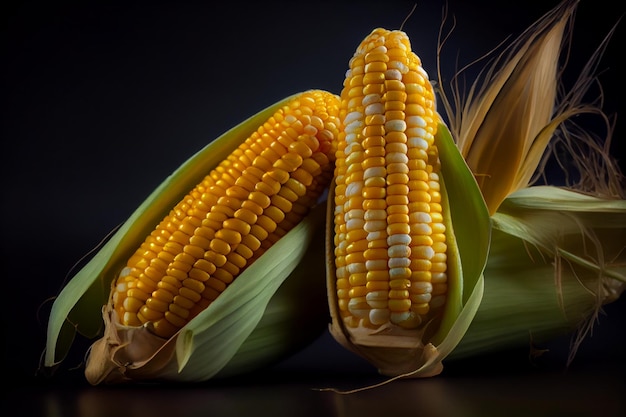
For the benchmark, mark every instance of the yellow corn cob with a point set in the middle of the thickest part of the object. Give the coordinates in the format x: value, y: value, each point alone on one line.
x: 262, y: 190
x: 390, y: 242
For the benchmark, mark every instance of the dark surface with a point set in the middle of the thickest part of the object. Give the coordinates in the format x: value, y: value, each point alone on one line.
x: 102, y: 102
x: 505, y: 384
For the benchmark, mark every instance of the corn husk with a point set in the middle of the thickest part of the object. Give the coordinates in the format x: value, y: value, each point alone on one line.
x: 250, y: 325
x: 505, y: 123
x: 557, y: 256
x: 557, y: 253
x: 412, y: 353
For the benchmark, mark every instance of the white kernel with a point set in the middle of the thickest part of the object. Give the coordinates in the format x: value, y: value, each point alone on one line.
x: 417, y: 142
x: 399, y: 239
x: 358, y: 307
x: 374, y: 172
x: 396, y: 157
x: 352, y: 137
x: 355, y: 224
x: 399, y: 272
x: 395, y: 126
x: 371, y: 99
x: 400, y: 262
x: 375, y: 215
x: 356, y: 268
x: 354, y: 189
x: 374, y: 108
x: 420, y: 287
x: 352, y: 147
x: 416, y: 121
x: 376, y: 235
x: 393, y: 74
x: 400, y: 317
x: 379, y: 316
x: 352, y: 116
x: 125, y: 271
x: 354, y: 127
x: 399, y: 251
x: 422, y: 72
x: 376, y: 296
x: 354, y: 214
x: 420, y: 217
x: 400, y: 66
x: 341, y: 272
x: 375, y: 225
x: 376, y: 265
x: 421, y: 229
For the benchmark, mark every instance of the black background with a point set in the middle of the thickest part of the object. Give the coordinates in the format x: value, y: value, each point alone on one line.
x: 101, y: 101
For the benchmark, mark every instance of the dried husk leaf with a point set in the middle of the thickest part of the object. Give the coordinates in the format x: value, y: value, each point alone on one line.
x: 79, y: 306
x: 505, y: 122
x: 403, y: 353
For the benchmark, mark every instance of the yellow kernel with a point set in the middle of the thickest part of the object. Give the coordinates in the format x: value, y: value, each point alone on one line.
x: 421, y: 309
x: 355, y: 292
x: 224, y: 276
x: 358, y: 279
x: 377, y: 285
x: 220, y: 246
x: 230, y: 236
x: 382, y: 275
x: 179, y: 308
x: 216, y: 284
x: 157, y: 305
x: 399, y: 304
x: 373, y: 193
x: 174, y: 319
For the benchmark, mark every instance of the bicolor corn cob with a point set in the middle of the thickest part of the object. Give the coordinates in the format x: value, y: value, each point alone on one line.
x: 261, y: 191
x: 390, y: 242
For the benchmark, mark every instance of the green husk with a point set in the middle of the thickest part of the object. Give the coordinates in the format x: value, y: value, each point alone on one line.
x: 557, y: 256
x: 79, y: 306
x: 206, y: 346
x: 557, y: 253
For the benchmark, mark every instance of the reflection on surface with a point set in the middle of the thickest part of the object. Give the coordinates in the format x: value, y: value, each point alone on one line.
x: 284, y: 393
x: 505, y: 384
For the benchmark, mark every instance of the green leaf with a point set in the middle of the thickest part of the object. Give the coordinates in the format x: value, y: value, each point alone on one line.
x: 557, y: 256
x: 470, y: 224
x: 209, y: 341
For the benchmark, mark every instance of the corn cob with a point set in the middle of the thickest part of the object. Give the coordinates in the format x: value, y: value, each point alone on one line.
x: 396, y: 287
x: 257, y: 194
x: 186, y: 294
x: 390, y: 242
